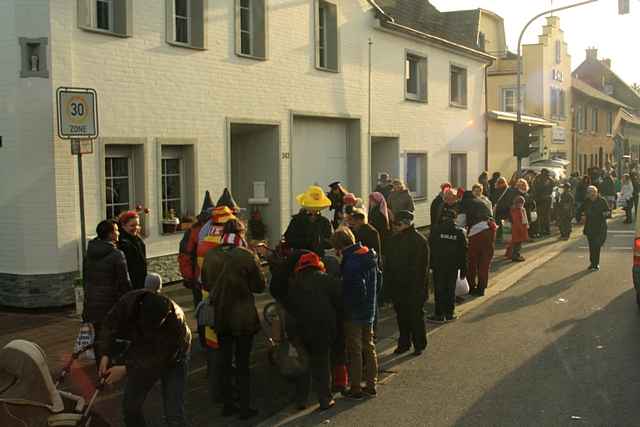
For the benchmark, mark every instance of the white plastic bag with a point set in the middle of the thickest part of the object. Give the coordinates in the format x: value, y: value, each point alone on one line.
x: 86, y: 337
x: 462, y: 286
x: 534, y: 216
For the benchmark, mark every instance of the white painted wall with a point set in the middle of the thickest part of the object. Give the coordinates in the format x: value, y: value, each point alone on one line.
x: 148, y: 89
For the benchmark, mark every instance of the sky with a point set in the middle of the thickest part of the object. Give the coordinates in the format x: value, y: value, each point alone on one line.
x: 598, y: 24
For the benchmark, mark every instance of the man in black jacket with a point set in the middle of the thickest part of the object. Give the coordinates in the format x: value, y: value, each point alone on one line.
x: 448, y: 245
x: 105, y: 276
x: 438, y: 203
x: 406, y: 274
x: 160, y: 345
x: 543, y: 190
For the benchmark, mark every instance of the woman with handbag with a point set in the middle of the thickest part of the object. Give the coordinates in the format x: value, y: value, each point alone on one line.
x: 234, y: 274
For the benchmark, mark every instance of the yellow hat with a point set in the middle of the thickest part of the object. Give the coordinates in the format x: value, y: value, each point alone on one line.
x: 314, y: 198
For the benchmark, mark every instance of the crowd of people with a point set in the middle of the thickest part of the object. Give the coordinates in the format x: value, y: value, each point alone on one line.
x: 329, y: 276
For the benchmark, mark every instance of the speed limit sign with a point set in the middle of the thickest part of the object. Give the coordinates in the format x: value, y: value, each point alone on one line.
x: 77, y: 113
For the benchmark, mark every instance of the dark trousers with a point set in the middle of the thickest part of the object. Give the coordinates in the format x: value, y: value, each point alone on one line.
x: 174, y: 389
x: 544, y: 215
x: 411, y: 326
x: 595, y: 244
x: 240, y: 346
x: 481, y: 248
x: 564, y: 222
x: 445, y: 290
x: 635, y: 204
x: 318, y: 361
x: 197, y: 295
x: 214, y: 357
x: 629, y: 211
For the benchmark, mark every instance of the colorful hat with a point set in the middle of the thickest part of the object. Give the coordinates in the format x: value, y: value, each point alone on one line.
x: 222, y: 214
x: 314, y: 198
x: 226, y: 199
x: 207, y: 205
x: 309, y: 260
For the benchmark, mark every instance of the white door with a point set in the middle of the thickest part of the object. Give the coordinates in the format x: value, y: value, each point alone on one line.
x: 318, y: 155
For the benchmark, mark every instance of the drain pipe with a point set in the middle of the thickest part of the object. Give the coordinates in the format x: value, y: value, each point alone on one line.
x: 486, y: 118
x: 369, y: 117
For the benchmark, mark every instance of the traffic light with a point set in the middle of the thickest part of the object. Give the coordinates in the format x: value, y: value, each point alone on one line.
x: 525, y: 140
x: 623, y: 7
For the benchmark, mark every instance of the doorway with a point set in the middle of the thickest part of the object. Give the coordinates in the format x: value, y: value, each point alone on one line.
x: 385, y: 158
x: 255, y: 179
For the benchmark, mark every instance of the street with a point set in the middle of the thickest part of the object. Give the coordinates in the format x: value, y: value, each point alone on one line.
x: 558, y: 348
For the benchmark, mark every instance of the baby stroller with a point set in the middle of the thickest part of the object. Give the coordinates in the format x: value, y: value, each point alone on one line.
x: 29, y: 396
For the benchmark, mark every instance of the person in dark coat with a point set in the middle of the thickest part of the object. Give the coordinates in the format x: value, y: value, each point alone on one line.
x: 385, y: 186
x: 406, y: 276
x: 438, y: 204
x: 608, y: 191
x: 308, y: 229
x: 159, y: 351
x: 400, y: 198
x: 379, y: 218
x: 500, y: 214
x: 483, y: 179
x: 566, y: 211
x: 492, y: 186
x: 595, y: 210
x: 448, y: 247
x: 336, y: 195
x: 232, y: 274
x: 543, y: 190
x: 105, y: 277
x: 133, y: 247
x: 314, y: 300
x: 364, y: 232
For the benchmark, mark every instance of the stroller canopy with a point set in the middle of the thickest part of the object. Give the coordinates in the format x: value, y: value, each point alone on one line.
x: 25, y: 378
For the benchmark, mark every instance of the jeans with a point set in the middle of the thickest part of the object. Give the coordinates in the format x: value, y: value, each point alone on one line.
x: 174, y: 385
x: 361, y: 348
x: 595, y: 244
x: 240, y: 346
x: 481, y: 248
x: 411, y: 325
x: 445, y: 291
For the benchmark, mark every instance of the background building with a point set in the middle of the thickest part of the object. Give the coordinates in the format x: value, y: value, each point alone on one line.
x: 197, y: 95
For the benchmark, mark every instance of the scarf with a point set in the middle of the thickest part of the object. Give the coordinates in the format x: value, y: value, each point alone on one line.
x: 378, y: 199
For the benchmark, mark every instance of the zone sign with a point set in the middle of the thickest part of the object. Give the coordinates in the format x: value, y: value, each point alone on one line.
x: 77, y: 113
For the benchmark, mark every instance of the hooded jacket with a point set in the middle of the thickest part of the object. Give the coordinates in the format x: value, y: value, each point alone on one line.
x: 151, y: 351
x: 106, y: 279
x: 359, y: 278
x: 135, y: 252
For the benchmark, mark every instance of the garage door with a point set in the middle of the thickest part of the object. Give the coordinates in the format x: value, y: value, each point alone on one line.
x: 318, y: 154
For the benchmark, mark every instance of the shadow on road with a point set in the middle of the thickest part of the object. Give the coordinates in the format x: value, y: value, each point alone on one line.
x: 535, y: 296
x: 598, y: 384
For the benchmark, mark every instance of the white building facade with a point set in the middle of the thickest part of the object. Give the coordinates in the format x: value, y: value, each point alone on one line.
x: 265, y: 97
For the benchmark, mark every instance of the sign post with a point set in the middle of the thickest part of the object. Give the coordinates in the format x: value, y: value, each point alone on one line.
x: 78, y: 121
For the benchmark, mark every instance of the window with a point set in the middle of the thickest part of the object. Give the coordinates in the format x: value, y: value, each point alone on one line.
x: 509, y: 99
x: 594, y: 120
x: 326, y: 36
x: 176, y: 175
x: 186, y: 23
x: 34, y: 57
x: 458, y: 85
x: 171, y: 186
x: 561, y: 103
x: 558, y: 51
x: 458, y: 170
x: 112, y: 17
x: 482, y: 40
x: 609, y: 122
x: 118, y: 184
x: 558, y: 102
x: 583, y: 124
x: 416, y: 78
x: 417, y: 174
x: 251, y: 28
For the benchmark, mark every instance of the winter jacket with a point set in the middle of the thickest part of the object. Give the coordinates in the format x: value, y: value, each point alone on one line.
x: 135, y: 252
x: 608, y: 187
x: 596, y: 212
x: 504, y: 203
x: 359, y: 277
x: 231, y: 275
x: 369, y: 237
x: 448, y: 246
x: 315, y: 302
x: 566, y: 205
x: 519, y: 225
x: 381, y: 224
x: 106, y: 279
x: 543, y: 187
x: 400, y: 201
x: 310, y: 234
x: 474, y: 209
x: 187, y: 257
x: 406, y: 266
x: 626, y: 192
x: 151, y: 352
x: 435, y: 209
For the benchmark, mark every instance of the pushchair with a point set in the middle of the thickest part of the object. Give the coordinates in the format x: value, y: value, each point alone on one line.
x: 30, y: 397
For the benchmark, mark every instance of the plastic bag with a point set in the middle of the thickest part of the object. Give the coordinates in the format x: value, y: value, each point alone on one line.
x: 534, y: 216
x: 86, y: 337
x: 290, y: 362
x: 462, y: 286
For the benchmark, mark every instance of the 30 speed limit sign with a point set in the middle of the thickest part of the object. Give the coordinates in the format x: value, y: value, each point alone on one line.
x: 77, y: 113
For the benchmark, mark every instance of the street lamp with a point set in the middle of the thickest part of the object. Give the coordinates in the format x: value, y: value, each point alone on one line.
x: 518, y: 94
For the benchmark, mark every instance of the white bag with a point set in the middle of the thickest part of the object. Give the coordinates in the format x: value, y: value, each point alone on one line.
x: 86, y: 337
x: 534, y: 216
x: 462, y: 286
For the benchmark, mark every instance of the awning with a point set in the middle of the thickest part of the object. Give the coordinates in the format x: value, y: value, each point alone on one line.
x: 513, y: 117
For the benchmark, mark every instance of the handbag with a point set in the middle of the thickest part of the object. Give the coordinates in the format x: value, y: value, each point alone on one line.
x: 462, y: 286
x: 86, y: 338
x: 534, y: 216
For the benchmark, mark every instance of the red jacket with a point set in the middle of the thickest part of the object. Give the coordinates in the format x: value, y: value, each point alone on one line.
x: 187, y: 258
x: 519, y: 225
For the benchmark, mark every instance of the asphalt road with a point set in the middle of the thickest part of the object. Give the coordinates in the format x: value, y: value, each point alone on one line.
x: 559, y: 348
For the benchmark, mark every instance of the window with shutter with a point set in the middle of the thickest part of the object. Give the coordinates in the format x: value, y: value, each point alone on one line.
x: 186, y: 23
x: 458, y: 86
x: 111, y: 17
x: 326, y: 36
x: 416, y: 78
x: 251, y: 28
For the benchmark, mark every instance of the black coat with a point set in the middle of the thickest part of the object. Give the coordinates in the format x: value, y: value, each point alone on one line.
x: 151, y: 353
x: 448, y: 246
x: 608, y: 187
x: 369, y: 237
x: 315, y: 302
x: 543, y: 187
x: 436, y: 209
x: 305, y: 233
x: 381, y: 224
x: 406, y: 266
x: 105, y: 279
x: 135, y: 252
x: 595, y: 226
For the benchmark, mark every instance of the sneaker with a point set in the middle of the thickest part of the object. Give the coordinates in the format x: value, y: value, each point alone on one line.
x: 436, y: 319
x: 353, y: 395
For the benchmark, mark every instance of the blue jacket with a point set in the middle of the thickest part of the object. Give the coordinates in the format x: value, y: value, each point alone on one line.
x: 359, y: 275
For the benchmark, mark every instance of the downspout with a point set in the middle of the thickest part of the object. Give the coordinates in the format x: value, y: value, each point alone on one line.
x: 486, y: 118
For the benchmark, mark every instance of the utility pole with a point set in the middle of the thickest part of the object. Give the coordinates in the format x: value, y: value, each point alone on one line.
x: 519, y: 73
